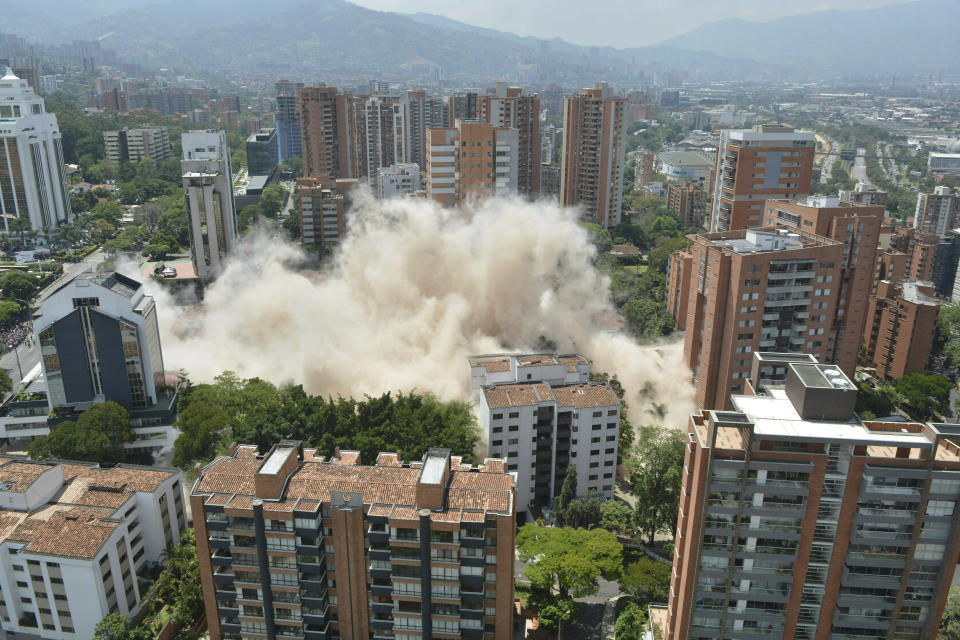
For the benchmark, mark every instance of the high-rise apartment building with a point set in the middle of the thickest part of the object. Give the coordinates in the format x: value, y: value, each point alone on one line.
x: 755, y: 165
x: 461, y: 106
x: 382, y: 133
x: 422, y: 112
x: 689, y: 202
x: 508, y: 107
x: 901, y: 322
x: 398, y: 180
x: 856, y: 226
x: 750, y: 290
x: 800, y: 521
x: 291, y: 544
x: 133, y: 145
x: 78, y: 541
x: 323, y: 210
x: 549, y: 401
x: 208, y: 186
x: 937, y: 212
x: 33, y: 180
x: 920, y: 247
x: 327, y: 131
x: 591, y: 173
x: 863, y: 194
x: 472, y: 160
x: 100, y: 341
x: 289, y: 141
x: 262, y: 152
x: 550, y: 181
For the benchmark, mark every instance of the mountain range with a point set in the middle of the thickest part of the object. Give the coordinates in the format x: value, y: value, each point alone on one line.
x: 334, y: 39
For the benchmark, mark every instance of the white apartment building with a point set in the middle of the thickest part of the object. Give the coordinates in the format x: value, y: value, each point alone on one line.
x: 398, y: 180
x: 542, y: 415
x: 75, y: 540
x: 937, y: 212
x: 208, y: 185
x: 48, y: 84
x: 33, y: 179
x: 133, y: 145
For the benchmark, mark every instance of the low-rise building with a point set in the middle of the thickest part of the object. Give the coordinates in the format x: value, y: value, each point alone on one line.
x: 689, y: 166
x: 292, y: 544
x: 77, y: 542
x: 943, y: 163
x: 863, y: 194
x: 542, y: 414
x: 324, y: 206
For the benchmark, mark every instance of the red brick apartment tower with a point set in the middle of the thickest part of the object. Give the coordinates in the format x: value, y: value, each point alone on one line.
x: 327, y: 132
x: 752, y: 290
x: 902, y: 318
x: 857, y: 227
x: 754, y: 165
x: 293, y: 545
x: 591, y: 173
x: 798, y: 521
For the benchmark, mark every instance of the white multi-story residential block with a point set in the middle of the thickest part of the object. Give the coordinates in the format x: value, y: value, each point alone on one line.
x: 33, y: 179
x: 542, y: 415
x: 208, y: 185
x: 398, y: 180
x: 75, y: 539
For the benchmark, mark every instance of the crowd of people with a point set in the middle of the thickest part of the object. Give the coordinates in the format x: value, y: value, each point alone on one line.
x: 12, y: 336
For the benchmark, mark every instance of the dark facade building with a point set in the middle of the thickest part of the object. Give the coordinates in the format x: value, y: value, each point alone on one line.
x: 289, y: 142
x: 99, y: 341
x: 262, y: 152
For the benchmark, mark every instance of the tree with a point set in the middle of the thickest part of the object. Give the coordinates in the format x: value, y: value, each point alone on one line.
x: 101, y: 231
x: 20, y: 226
x: 945, y: 354
x: 9, y: 311
x: 616, y: 516
x: 583, y: 512
x: 568, y: 560
x: 248, y: 217
x: 98, y: 435
x: 568, y: 492
x: 647, y: 319
x: 107, y: 210
x: 923, y: 396
x: 553, y: 612
x: 203, y: 427
x: 950, y: 621
x: 18, y: 285
x: 272, y: 199
x: 292, y: 225
x: 646, y: 580
x: 112, y: 627
x: 631, y: 623
x: 599, y: 236
x: 656, y: 466
x: 160, y: 246
x: 6, y: 384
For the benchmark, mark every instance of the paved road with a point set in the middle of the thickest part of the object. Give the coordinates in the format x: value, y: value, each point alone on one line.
x: 859, y: 171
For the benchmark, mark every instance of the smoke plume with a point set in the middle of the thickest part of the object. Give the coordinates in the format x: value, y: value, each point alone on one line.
x: 412, y: 291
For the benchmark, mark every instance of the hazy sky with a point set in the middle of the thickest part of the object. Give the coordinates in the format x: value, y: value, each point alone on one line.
x: 618, y: 23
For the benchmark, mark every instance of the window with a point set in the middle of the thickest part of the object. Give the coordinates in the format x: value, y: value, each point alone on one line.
x: 498, y: 416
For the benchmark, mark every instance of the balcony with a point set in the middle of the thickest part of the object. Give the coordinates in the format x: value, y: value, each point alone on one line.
x: 230, y: 625
x: 316, y: 632
x: 315, y: 616
x: 220, y: 559
x: 226, y: 595
x: 379, y: 554
x: 223, y: 579
x: 216, y: 522
x: 313, y: 600
x: 219, y: 542
x: 380, y: 587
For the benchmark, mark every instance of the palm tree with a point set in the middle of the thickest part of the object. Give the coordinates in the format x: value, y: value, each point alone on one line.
x: 19, y: 225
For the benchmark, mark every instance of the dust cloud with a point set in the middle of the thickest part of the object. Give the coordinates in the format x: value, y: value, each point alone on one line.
x: 412, y: 291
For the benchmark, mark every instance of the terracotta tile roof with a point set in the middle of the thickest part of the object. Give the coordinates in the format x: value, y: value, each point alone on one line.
x: 218, y: 500
x: 310, y: 455
x: 246, y: 451
x: 585, y: 395
x: 404, y: 513
x: 133, y: 478
x: 346, y: 457
x: 511, y: 395
x: 229, y: 475
x: 572, y: 361
x: 450, y: 515
x: 472, y: 516
x: 378, y: 485
x: 20, y: 475
x: 380, y: 510
x: 535, y: 360
x: 388, y: 460
x: 73, y: 532
x: 492, y: 365
x: 494, y: 465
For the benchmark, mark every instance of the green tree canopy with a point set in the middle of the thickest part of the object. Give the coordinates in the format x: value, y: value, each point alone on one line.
x: 616, y: 516
x: 272, y: 199
x: 18, y: 285
x: 646, y: 580
x: 631, y: 623
x: 9, y: 311
x: 569, y: 560
x: 950, y: 621
x: 647, y: 319
x: 98, y: 435
x: 259, y: 413
x: 656, y: 466
x: 924, y: 396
